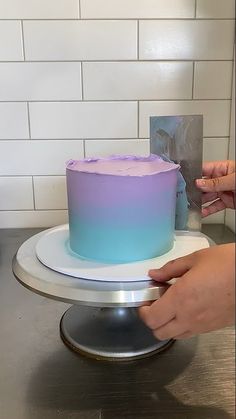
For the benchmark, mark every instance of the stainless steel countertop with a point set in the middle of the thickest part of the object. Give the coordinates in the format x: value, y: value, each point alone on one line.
x: 41, y: 378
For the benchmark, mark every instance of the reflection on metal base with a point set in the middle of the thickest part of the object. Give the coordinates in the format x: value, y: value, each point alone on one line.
x: 113, y: 334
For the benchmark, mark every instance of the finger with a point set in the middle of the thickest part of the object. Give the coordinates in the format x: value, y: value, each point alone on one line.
x: 209, y: 168
x: 213, y: 208
x: 168, y: 331
x: 209, y: 197
x: 160, y: 312
x: 218, y: 184
x: 219, y: 168
x: 173, y: 269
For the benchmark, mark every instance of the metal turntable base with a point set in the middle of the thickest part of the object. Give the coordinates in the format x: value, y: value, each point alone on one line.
x: 113, y: 334
x: 103, y: 322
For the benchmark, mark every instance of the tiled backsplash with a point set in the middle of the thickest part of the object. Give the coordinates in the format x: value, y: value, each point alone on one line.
x: 81, y: 78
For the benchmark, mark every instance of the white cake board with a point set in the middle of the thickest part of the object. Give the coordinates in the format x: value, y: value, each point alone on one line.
x: 53, y: 251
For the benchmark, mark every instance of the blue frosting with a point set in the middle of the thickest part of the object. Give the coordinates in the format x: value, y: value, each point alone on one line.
x: 128, y: 243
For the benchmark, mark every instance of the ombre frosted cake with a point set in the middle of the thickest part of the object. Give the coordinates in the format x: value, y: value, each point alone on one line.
x: 122, y: 208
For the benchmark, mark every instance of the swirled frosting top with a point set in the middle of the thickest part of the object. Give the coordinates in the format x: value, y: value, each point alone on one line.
x: 119, y: 165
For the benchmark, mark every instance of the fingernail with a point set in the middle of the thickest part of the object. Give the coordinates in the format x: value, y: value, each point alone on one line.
x: 153, y: 271
x: 201, y: 182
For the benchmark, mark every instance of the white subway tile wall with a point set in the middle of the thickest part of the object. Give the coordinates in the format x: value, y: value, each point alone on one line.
x: 13, y: 121
x: 80, y: 40
x: 11, y: 45
x: 213, y: 80
x: 219, y: 9
x: 133, y: 9
x: 186, y: 40
x: 82, y: 77
x: 50, y: 192
x: 137, y: 80
x: 16, y: 193
x: 105, y: 148
x: 25, y: 219
x: 37, y: 158
x: 40, y: 81
x: 39, y: 9
x: 83, y: 120
x: 215, y: 148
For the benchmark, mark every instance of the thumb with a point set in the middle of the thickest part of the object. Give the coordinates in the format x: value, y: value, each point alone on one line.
x: 218, y: 184
x: 173, y: 269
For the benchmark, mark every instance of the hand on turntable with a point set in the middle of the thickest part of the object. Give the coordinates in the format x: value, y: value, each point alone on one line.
x: 201, y: 300
x: 218, y: 186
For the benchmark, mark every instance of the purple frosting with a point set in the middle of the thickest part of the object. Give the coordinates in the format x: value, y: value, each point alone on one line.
x: 119, y: 165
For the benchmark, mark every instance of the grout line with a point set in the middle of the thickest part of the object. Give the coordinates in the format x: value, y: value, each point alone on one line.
x: 23, y: 41
x: 117, y: 60
x: 230, y: 121
x: 107, y: 101
x: 138, y: 110
x: 214, y: 137
x: 228, y: 148
x: 79, y: 10
x: 78, y: 139
x: 29, y: 125
x: 193, y: 83
x: 138, y: 34
x: 28, y: 176
x: 33, y: 192
x: 195, y: 10
x: 122, y: 19
x: 33, y: 210
x: 231, y: 116
x: 151, y: 19
x: 139, y: 138
x: 231, y: 102
x: 84, y: 149
x: 82, y: 81
x: 31, y: 175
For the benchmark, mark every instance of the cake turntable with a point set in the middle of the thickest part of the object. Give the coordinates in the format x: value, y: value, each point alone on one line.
x: 103, y: 321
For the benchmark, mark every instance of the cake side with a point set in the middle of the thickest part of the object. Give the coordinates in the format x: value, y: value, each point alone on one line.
x: 121, y: 218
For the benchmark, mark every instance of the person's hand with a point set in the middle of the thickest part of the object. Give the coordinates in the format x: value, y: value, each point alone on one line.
x: 218, y: 185
x: 200, y: 301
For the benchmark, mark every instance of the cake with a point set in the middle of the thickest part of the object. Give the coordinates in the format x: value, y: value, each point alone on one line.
x: 121, y: 208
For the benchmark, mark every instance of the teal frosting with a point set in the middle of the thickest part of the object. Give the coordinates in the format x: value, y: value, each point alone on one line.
x: 104, y: 243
